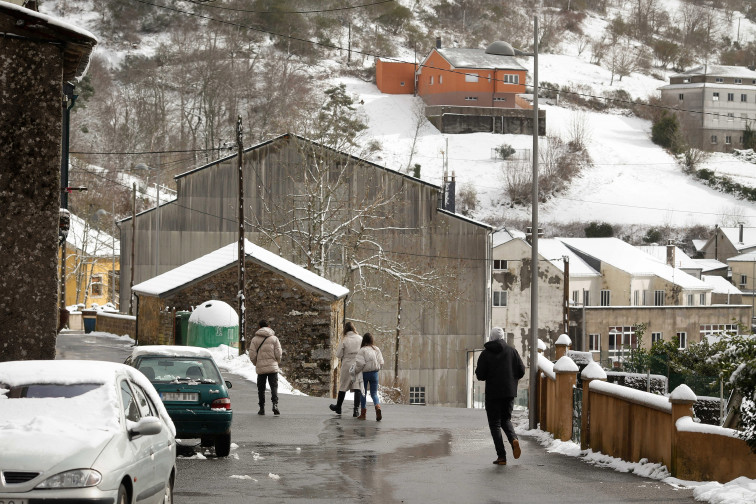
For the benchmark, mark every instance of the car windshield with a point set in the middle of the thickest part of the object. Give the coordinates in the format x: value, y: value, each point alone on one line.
x: 50, y: 390
x: 162, y: 369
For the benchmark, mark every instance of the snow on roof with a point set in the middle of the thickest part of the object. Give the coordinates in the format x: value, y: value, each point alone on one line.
x: 215, y: 313
x: 747, y: 257
x: 627, y: 258
x: 699, y: 244
x: 49, y: 20
x: 553, y: 250
x: 504, y: 235
x: 720, y: 285
x: 478, y: 58
x: 733, y: 234
x: 93, y: 242
x: 637, y: 396
x: 659, y: 252
x: 171, y: 351
x: 709, y: 264
x: 709, y: 85
x: 719, y: 71
x: 227, y: 256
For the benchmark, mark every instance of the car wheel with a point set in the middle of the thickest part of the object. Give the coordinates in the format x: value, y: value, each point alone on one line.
x: 168, y: 497
x: 123, y: 496
x: 223, y: 445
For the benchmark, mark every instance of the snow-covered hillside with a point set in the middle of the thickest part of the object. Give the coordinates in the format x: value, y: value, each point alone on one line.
x: 632, y: 180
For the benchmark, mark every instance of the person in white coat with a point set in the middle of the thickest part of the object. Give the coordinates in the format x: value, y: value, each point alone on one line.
x: 347, y: 352
x: 368, y: 362
x: 265, y: 353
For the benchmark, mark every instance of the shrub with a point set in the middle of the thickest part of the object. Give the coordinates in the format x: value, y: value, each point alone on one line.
x: 504, y: 151
x: 666, y: 132
x: 599, y: 230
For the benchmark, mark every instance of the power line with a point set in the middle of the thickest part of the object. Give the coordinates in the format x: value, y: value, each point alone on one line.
x: 204, y: 3
x: 128, y: 153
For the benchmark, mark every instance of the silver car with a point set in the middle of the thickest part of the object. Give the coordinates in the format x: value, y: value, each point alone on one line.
x: 83, y: 431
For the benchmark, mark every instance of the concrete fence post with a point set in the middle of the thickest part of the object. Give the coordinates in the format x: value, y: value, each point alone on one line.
x: 566, y: 377
x: 562, y: 345
x: 682, y: 400
x: 591, y: 372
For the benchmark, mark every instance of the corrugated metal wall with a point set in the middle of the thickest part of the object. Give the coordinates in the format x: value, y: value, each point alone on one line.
x: 203, y: 219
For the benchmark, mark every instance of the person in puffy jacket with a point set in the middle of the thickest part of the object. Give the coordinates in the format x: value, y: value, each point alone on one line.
x: 265, y: 353
x: 501, y: 367
x: 347, y: 352
x: 368, y: 362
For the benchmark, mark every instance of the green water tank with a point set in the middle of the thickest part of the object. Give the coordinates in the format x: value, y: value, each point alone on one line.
x: 213, y: 323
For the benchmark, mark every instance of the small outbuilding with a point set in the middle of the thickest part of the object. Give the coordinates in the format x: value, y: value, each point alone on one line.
x: 304, y: 309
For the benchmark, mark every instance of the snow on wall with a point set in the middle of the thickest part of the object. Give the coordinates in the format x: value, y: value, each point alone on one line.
x: 636, y: 396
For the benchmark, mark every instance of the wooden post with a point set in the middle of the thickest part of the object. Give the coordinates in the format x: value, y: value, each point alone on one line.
x: 566, y: 376
x: 591, y: 372
x: 682, y: 399
x: 562, y: 344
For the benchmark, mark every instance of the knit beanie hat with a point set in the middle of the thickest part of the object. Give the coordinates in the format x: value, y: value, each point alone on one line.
x: 497, y: 333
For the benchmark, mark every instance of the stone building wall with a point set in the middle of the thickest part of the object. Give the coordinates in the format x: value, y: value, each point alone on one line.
x: 114, y: 323
x: 30, y: 137
x: 307, y: 325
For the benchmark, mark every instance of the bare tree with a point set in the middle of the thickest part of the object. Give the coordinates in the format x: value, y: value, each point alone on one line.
x: 418, y: 115
x: 579, y: 130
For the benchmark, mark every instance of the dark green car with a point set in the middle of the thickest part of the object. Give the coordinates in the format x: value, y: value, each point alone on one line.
x: 192, y: 389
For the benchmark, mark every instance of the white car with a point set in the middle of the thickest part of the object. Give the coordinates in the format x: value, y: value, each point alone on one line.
x: 85, y: 432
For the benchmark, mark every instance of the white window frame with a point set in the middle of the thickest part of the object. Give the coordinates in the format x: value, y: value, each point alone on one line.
x: 594, y: 342
x: 713, y: 139
x: 743, y: 98
x: 606, y: 297
x: 730, y: 97
x: 715, y: 97
x: 738, y: 81
x: 656, y: 336
x: 690, y: 299
x: 440, y: 79
x: 471, y: 77
x: 587, y: 298
x: 575, y: 297
x: 682, y: 340
x: 500, y: 264
x: 499, y: 297
x: 680, y: 97
x: 702, y: 299
x: 511, y: 79
x: 728, y: 139
x: 636, y: 297
x: 659, y: 296
x: 719, y: 79
x: 431, y: 80
x: 417, y: 395
x: 622, y: 337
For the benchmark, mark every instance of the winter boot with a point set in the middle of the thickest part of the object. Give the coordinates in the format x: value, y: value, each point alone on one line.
x: 363, y: 414
x: 357, y: 399
x: 262, y: 410
x: 378, y: 415
x: 336, y: 408
x: 275, y: 409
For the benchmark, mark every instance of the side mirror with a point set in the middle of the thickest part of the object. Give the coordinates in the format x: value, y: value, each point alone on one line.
x: 228, y: 384
x: 146, y: 426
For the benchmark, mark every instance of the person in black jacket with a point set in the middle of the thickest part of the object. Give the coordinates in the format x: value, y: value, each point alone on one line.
x: 501, y: 367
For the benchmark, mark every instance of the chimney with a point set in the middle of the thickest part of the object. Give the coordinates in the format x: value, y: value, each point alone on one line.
x: 438, y: 42
x: 670, y: 253
x: 740, y: 233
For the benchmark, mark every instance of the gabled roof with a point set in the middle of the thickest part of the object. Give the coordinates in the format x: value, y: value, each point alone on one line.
x: 719, y: 71
x: 478, y: 58
x: 709, y: 264
x: 554, y: 250
x: 699, y: 244
x: 660, y: 253
x: 720, y: 285
x: 504, y: 235
x: 629, y: 259
x: 733, y: 234
x: 226, y: 257
x: 747, y: 257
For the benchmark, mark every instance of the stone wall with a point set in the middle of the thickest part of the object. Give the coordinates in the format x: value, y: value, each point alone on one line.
x: 29, y: 197
x: 307, y: 325
x: 116, y: 323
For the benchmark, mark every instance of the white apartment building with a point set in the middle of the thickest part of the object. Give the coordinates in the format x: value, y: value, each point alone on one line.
x: 715, y: 104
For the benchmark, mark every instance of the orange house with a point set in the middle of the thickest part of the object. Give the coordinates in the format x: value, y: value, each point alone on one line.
x: 490, y: 77
x: 395, y: 77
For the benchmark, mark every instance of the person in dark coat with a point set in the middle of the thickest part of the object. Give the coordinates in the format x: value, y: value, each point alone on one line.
x: 501, y: 367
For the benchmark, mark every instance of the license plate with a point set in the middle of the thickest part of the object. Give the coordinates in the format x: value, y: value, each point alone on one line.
x: 14, y: 501
x: 177, y: 396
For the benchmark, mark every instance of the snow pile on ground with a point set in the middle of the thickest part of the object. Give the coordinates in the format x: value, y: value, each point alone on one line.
x: 228, y: 359
x: 738, y: 491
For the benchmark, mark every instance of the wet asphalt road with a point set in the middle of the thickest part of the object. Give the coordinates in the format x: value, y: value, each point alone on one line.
x: 415, y: 455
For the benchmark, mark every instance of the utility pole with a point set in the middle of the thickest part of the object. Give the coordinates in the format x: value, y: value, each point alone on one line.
x: 532, y: 399
x: 69, y: 100
x: 240, y: 295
